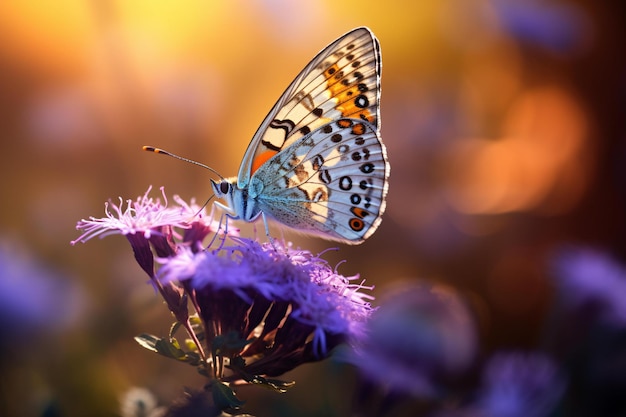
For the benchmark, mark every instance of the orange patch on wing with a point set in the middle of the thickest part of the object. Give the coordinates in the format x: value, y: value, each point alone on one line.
x: 349, y: 108
x: 344, y: 123
x: 358, y: 129
x: 261, y: 159
x: 346, y: 96
x: 356, y: 224
x: 359, y: 212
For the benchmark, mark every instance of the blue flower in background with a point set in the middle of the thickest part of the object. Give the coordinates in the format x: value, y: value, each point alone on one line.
x: 421, y: 334
x: 591, y: 281
x: 588, y: 329
x: 555, y: 26
x: 519, y: 385
x: 33, y: 297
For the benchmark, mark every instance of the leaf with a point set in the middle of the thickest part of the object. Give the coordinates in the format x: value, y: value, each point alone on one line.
x: 224, y: 397
x: 168, y: 348
x: 171, y: 349
x: 273, y: 384
x: 202, y: 370
x: 193, y: 359
x: 195, y: 320
x: 175, y: 326
x: 229, y: 344
x: 191, y: 345
x: 148, y: 341
x: 237, y: 365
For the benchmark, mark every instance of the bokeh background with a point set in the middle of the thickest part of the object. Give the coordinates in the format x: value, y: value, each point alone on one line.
x: 504, y: 123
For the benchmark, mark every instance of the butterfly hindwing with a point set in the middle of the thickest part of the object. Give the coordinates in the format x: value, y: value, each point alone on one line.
x: 331, y: 182
x: 342, y: 81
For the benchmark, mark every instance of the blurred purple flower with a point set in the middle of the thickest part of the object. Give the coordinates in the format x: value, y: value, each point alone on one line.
x: 589, y: 280
x: 420, y: 335
x: 519, y: 385
x: 64, y: 119
x: 555, y: 26
x: 33, y: 297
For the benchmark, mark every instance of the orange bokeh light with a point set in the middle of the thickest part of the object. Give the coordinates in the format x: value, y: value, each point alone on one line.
x: 539, y: 163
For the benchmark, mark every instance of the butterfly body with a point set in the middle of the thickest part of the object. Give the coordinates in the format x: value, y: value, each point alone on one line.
x: 317, y: 163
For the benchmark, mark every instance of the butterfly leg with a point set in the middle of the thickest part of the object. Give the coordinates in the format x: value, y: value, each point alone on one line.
x: 217, y: 232
x: 267, y: 231
x: 227, y: 214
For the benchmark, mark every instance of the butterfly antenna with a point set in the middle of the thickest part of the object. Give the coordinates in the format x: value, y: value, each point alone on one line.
x: 191, y: 161
x: 206, y: 203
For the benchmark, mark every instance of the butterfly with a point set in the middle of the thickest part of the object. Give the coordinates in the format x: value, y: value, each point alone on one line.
x: 317, y: 163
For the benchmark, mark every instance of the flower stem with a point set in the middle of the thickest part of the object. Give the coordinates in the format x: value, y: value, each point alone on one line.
x: 176, y: 299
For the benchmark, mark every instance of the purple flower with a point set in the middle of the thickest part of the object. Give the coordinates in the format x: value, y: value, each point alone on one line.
x: 287, y: 304
x: 150, y: 225
x: 202, y: 224
x: 33, y: 297
x: 420, y: 334
x: 143, y: 216
x: 555, y: 26
x: 519, y: 385
x: 591, y: 282
x: 262, y: 309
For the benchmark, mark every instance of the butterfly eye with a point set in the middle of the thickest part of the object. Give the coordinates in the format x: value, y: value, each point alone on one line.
x: 224, y: 187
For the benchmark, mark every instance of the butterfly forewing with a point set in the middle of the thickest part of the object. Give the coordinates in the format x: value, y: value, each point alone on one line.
x: 343, y: 80
x: 331, y: 182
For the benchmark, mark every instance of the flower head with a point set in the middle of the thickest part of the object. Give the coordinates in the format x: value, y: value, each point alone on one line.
x: 262, y: 309
x: 520, y: 385
x: 556, y: 26
x: 286, y: 306
x: 419, y: 334
x: 590, y: 281
x: 144, y: 216
x: 33, y: 296
x: 150, y: 226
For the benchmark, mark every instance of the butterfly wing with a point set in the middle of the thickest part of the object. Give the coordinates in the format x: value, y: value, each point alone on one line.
x: 343, y: 80
x: 331, y: 182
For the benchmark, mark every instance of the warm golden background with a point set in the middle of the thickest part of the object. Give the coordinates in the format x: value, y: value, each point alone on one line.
x: 503, y: 120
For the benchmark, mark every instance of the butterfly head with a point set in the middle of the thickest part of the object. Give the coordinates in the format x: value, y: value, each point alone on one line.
x: 240, y: 202
x: 223, y: 188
